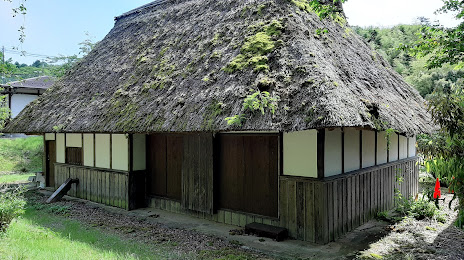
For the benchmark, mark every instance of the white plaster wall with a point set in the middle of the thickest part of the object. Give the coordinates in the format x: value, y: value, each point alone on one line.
x: 412, y: 146
x: 403, y: 147
x: 333, y: 152
x: 120, y: 152
x: 74, y: 140
x: 300, y: 153
x: 49, y: 137
x: 368, y: 148
x: 60, y: 149
x: 88, y: 150
x: 139, y: 152
x: 381, y: 148
x: 102, y: 150
x: 351, y: 151
x: 19, y: 102
x: 393, y: 151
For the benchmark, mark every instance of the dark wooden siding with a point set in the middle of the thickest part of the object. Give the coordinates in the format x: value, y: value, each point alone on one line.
x: 248, y: 169
x: 164, y: 165
x: 323, y: 210
x: 98, y: 185
x: 197, y: 173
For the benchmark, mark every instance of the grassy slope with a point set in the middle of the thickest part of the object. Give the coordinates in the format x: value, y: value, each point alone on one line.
x: 13, y: 178
x: 21, y: 154
x: 39, y: 235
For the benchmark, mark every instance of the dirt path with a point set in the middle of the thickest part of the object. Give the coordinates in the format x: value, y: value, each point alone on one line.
x: 133, y: 228
x: 407, y: 239
x: 421, y: 239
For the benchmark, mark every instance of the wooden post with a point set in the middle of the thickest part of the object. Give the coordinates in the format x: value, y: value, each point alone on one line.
x: 320, y: 153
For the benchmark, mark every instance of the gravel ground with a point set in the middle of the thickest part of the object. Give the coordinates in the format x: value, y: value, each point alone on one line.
x: 407, y: 239
x: 191, y: 243
x: 421, y: 239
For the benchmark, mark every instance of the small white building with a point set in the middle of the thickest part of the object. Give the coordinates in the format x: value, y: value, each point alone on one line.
x: 21, y: 93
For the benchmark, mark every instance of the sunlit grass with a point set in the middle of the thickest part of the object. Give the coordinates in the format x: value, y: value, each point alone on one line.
x: 14, y: 178
x: 39, y: 235
x: 21, y: 154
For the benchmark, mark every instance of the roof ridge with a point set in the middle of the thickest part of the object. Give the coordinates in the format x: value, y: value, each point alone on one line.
x: 141, y: 8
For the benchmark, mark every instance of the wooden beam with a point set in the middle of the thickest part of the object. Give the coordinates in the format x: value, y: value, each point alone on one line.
x: 320, y: 153
x: 111, y: 151
x: 343, y: 150
x: 131, y: 152
x: 94, y: 150
x: 360, y: 149
x: 376, y: 145
x: 281, y: 153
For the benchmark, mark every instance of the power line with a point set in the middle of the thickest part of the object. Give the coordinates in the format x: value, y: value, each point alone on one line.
x: 28, y: 54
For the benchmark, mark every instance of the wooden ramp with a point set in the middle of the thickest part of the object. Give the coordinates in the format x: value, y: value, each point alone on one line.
x: 62, y: 190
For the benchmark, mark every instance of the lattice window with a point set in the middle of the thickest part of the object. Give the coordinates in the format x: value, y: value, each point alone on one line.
x: 74, y: 155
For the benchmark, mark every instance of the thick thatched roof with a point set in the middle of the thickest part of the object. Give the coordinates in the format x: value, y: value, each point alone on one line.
x: 186, y: 65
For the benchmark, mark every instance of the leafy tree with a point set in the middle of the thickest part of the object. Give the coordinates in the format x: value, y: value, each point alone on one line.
x: 442, y: 45
x: 445, y: 47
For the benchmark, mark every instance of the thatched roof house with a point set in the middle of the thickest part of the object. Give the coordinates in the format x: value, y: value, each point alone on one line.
x: 236, y: 111
x: 165, y: 68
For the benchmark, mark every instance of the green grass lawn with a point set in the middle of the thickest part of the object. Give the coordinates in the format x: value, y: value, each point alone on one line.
x: 40, y: 235
x: 21, y: 154
x: 14, y: 178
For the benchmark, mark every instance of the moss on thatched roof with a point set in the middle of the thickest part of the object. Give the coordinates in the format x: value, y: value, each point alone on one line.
x: 186, y: 65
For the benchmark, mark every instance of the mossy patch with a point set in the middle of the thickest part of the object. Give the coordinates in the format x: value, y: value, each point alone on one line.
x: 216, y: 55
x: 211, y: 113
x: 255, y: 49
x: 161, y: 75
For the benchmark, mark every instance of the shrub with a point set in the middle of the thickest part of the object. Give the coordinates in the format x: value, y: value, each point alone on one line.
x: 12, y: 205
x: 418, y: 209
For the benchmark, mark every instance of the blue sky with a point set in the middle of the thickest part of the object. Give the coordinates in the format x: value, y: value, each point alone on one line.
x: 55, y: 27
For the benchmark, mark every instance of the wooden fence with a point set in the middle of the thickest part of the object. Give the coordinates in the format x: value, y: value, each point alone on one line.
x: 98, y: 185
x: 321, y: 211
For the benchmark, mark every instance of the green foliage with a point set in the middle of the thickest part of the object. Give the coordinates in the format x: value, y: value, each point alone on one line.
x: 322, y: 10
x: 444, y: 169
x: 260, y: 101
x: 439, y: 44
x: 447, y: 147
x: 255, y: 49
x: 11, y: 206
x: 235, y: 120
x: 212, y: 111
x: 418, y: 209
x: 389, y: 41
x: 321, y: 31
x: 4, y: 111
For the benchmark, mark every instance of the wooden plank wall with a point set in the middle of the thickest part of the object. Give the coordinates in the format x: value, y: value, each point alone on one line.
x: 222, y: 216
x: 321, y: 211
x: 106, y: 187
x: 197, y: 173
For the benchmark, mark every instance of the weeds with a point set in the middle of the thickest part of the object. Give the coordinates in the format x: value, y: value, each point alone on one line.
x: 11, y: 205
x: 418, y: 209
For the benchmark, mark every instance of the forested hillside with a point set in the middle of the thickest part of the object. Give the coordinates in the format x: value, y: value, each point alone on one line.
x: 387, y: 42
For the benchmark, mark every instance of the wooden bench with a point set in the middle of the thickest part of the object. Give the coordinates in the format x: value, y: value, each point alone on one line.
x: 264, y: 230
